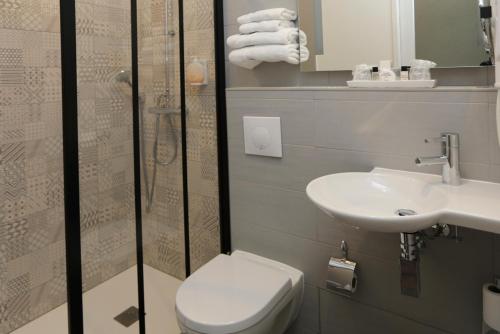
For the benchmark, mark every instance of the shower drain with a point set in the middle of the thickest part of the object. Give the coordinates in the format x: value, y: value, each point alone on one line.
x: 128, y: 317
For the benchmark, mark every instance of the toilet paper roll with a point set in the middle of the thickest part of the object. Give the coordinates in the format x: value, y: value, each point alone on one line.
x: 342, y: 275
x: 491, y: 306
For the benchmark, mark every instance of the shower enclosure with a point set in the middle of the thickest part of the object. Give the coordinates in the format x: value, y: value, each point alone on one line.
x: 113, y: 166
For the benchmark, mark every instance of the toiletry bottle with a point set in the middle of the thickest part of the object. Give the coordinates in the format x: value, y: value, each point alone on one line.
x: 405, y: 73
x: 375, y: 74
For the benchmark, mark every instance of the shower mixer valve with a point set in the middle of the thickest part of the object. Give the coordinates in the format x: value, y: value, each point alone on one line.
x: 163, y: 100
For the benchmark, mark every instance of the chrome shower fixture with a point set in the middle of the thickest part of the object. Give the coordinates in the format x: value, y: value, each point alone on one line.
x: 124, y: 76
x: 160, y: 111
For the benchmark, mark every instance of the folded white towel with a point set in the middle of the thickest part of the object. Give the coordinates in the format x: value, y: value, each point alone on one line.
x: 265, y: 26
x: 304, y: 54
x: 251, y: 56
x: 244, y: 62
x: 283, y: 36
x: 268, y: 14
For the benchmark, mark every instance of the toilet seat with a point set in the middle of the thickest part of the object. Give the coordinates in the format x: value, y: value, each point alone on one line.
x: 230, y: 294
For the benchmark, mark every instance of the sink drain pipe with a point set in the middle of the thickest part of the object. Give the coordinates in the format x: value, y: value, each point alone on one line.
x: 410, y: 259
x: 410, y: 264
x: 411, y: 244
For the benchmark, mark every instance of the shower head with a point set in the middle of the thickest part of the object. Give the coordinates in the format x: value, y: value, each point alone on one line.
x: 124, y: 76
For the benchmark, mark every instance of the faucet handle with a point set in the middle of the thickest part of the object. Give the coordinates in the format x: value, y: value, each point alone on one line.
x: 448, y: 138
x: 441, y: 139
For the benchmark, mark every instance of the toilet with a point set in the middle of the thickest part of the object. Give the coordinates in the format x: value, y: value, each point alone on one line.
x: 242, y: 293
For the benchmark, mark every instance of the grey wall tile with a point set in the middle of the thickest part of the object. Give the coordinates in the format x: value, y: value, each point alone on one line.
x: 306, y: 255
x: 337, y: 131
x: 290, y: 172
x: 379, y: 245
x: 340, y: 315
x: 257, y: 93
x: 296, y: 129
x: 441, y: 263
x: 437, y: 95
x: 382, y: 127
x: 496, y: 256
x: 494, y: 143
x: 282, y: 210
x: 308, y: 320
x: 296, y: 329
x: 330, y: 161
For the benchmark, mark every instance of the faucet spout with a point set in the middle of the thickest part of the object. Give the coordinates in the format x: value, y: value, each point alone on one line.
x: 431, y: 161
x: 449, y: 158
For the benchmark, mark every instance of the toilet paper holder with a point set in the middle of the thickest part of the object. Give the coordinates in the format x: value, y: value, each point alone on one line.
x: 342, y: 273
x: 491, y: 307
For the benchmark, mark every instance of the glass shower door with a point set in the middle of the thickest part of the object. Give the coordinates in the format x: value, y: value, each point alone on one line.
x: 107, y: 202
x: 161, y: 161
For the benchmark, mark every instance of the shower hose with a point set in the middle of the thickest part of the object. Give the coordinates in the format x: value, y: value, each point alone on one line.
x: 150, y: 187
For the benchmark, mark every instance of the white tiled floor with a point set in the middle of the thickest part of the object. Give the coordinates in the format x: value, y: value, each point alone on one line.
x: 109, y: 299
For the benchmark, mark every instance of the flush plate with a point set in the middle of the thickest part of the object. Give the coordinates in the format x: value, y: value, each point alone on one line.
x: 263, y: 136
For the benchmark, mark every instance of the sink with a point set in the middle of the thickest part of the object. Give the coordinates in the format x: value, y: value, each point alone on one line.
x: 387, y: 200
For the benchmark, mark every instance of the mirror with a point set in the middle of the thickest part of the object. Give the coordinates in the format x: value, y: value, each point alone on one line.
x: 344, y: 33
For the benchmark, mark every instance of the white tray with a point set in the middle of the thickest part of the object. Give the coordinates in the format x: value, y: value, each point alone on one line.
x: 392, y: 84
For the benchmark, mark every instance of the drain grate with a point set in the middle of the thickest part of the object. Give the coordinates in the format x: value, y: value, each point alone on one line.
x: 128, y: 317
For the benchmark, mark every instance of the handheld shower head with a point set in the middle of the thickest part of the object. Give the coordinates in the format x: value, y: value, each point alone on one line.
x: 124, y: 76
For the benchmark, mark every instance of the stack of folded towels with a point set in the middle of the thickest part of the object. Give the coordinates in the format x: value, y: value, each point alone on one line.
x: 268, y: 36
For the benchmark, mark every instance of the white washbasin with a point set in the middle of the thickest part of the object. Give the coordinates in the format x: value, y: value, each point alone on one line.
x: 375, y: 201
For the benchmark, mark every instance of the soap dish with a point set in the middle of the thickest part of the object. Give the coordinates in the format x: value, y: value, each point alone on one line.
x: 392, y: 84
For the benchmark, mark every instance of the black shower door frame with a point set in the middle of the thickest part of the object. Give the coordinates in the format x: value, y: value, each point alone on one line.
x: 71, y: 157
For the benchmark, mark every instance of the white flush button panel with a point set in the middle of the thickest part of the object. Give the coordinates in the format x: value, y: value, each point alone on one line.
x: 263, y: 136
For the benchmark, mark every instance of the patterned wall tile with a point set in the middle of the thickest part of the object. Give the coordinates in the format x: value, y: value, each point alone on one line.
x: 31, y: 192
x: 159, y: 71
x: 163, y: 225
x: 204, y: 226
x: 11, y: 14
x: 32, y: 256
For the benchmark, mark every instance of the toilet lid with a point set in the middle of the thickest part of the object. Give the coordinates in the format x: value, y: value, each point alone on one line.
x: 230, y: 294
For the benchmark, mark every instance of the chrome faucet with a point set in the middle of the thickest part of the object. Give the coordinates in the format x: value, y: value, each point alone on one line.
x: 449, y: 159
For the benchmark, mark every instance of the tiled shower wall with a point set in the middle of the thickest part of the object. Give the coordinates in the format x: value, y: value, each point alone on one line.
x: 105, y: 140
x: 204, y: 224
x: 164, y: 247
x: 164, y: 225
x: 32, y: 254
x: 32, y: 258
x: 32, y: 251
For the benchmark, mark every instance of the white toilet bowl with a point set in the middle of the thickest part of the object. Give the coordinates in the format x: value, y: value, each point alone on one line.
x: 240, y: 294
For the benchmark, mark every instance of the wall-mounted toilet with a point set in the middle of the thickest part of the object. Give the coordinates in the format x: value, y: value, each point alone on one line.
x: 242, y: 293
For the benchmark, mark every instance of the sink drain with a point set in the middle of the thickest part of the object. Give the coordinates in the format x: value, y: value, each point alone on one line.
x: 405, y: 212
